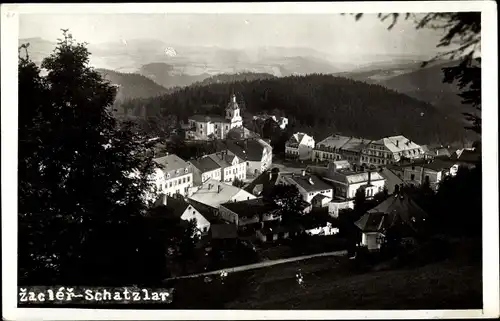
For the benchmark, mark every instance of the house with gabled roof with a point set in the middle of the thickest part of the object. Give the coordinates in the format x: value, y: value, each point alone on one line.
x: 257, y: 154
x: 389, y: 150
x: 205, y: 168
x: 397, y: 213
x: 232, y: 167
x: 309, y: 186
x: 178, y: 208
x: 174, y: 175
x: 214, y: 193
x: 299, y: 146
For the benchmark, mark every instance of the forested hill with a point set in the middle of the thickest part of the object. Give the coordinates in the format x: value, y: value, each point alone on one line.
x: 320, y: 104
x: 230, y: 78
x: 133, y: 85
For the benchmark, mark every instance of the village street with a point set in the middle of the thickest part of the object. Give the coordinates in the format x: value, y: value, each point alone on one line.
x: 261, y: 264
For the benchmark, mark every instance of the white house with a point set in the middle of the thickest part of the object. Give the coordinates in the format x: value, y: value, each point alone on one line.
x: 346, y: 182
x: 300, y: 145
x: 213, y: 193
x: 257, y: 154
x: 205, y: 168
x: 175, y: 177
x: 179, y: 208
x: 232, y: 167
x: 309, y: 187
x: 329, y: 149
x: 204, y: 127
x: 390, y: 150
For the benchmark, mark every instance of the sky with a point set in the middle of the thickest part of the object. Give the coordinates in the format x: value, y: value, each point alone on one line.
x: 329, y: 33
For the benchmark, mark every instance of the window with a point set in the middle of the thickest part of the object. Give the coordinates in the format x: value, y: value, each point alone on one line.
x: 413, y: 168
x: 227, y: 127
x: 188, y: 178
x: 412, y: 177
x: 183, y: 180
x: 179, y: 181
x: 170, y: 184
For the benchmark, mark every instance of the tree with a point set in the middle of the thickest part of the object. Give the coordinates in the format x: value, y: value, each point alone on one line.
x: 462, y: 32
x: 81, y: 209
x: 238, y: 183
x: 289, y: 201
x: 360, y: 201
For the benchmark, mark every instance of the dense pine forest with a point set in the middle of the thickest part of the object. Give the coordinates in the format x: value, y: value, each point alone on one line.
x: 320, y: 104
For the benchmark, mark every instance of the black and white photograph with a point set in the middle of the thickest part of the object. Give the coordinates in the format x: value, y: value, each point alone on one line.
x: 283, y: 160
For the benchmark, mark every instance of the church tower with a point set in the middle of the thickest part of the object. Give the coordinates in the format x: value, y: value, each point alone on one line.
x: 233, y: 113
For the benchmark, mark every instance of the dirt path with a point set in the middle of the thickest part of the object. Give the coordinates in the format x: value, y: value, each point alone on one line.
x: 262, y: 264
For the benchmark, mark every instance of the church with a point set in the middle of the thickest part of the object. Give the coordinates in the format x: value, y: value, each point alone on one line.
x: 203, y: 127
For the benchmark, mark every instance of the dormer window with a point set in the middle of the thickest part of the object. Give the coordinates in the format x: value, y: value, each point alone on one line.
x: 168, y: 175
x: 176, y: 172
x: 186, y: 170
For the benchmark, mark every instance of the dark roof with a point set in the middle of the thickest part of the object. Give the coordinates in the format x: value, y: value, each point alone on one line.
x: 224, y: 231
x: 371, y: 222
x: 396, y: 209
x: 251, y: 207
x: 174, y: 209
x: 205, y: 164
x: 319, y: 197
x: 267, y: 179
x: 208, y: 212
x: 222, y: 159
x: 247, y: 149
x: 469, y: 156
x: 305, y: 182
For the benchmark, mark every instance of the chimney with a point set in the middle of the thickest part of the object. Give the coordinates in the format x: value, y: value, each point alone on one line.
x: 303, y: 173
x: 218, y: 189
x: 164, y: 200
x: 397, y: 143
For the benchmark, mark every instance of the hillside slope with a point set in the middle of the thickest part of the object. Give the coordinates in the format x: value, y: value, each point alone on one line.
x: 230, y: 78
x: 320, y: 104
x: 426, y: 84
x: 133, y: 86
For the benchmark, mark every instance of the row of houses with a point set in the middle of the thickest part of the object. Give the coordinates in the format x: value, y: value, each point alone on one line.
x: 234, y: 160
x: 359, y: 151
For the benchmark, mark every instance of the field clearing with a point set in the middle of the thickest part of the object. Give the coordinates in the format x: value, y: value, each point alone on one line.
x: 330, y: 284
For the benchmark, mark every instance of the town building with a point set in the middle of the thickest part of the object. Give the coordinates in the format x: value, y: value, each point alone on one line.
x: 178, y: 208
x: 397, y: 213
x: 346, y: 181
x: 205, y: 168
x: 213, y: 193
x: 281, y: 121
x: 204, y: 127
x: 337, y: 147
x: 392, y: 178
x: 389, y: 150
x: 257, y: 154
x: 309, y: 186
x: 174, y: 177
x: 253, y: 212
x: 299, y: 146
x: 232, y: 167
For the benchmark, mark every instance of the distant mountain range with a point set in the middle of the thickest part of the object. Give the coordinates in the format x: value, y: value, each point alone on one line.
x: 148, y: 68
